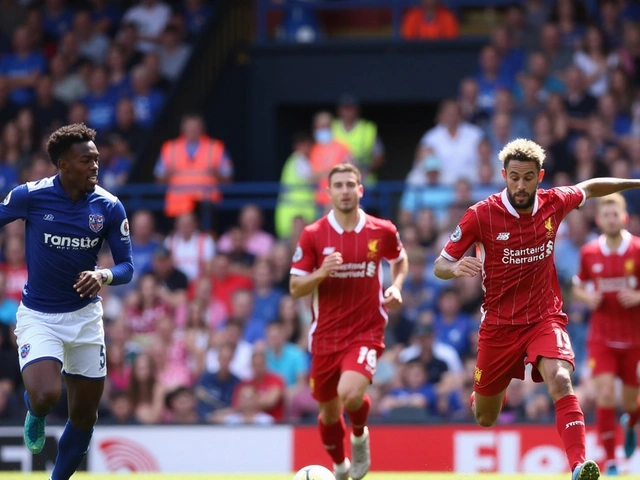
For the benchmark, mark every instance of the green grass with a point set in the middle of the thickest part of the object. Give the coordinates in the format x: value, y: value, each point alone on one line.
x: 371, y: 476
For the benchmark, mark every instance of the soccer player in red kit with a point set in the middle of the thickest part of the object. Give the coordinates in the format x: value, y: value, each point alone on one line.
x: 514, y: 234
x: 338, y: 261
x: 608, y: 283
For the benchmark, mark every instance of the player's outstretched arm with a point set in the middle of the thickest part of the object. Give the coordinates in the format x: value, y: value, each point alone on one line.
x: 600, y: 187
x: 445, y: 269
x: 303, y: 285
x: 120, y: 245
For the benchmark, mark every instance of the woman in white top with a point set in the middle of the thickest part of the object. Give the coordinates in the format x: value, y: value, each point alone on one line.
x: 595, y: 61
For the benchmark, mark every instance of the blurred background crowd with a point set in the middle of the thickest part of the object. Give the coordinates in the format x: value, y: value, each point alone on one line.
x: 207, y: 332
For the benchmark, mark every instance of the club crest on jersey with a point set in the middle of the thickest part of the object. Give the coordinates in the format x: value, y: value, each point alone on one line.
x: 96, y: 222
x: 372, y: 245
x: 456, y: 235
x: 629, y: 266
x: 24, y: 350
x: 549, y: 226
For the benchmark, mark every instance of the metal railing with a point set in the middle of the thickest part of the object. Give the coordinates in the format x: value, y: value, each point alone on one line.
x: 396, y: 7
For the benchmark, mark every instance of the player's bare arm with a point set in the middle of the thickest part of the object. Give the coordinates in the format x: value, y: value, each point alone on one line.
x: 301, y: 286
x: 399, y: 270
x: 445, y: 269
x: 629, y: 298
x: 591, y: 299
x: 600, y: 187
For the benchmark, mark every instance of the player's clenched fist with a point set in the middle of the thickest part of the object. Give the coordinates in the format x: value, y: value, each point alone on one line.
x: 331, y: 263
x: 467, y: 267
x: 594, y: 300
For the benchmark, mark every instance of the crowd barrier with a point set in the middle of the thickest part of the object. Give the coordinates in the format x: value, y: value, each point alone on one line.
x: 282, y: 449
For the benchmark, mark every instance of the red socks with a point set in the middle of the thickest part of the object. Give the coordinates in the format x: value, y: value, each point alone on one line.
x: 358, y: 418
x: 606, y: 425
x: 634, y: 417
x: 333, y: 439
x: 571, y: 428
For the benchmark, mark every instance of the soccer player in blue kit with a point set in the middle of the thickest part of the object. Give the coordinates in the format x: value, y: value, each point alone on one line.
x: 59, y: 322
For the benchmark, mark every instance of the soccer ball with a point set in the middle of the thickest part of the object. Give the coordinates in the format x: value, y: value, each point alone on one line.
x: 314, y: 472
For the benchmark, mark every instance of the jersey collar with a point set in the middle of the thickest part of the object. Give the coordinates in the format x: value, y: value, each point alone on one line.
x: 624, y: 245
x: 513, y: 211
x: 362, y: 218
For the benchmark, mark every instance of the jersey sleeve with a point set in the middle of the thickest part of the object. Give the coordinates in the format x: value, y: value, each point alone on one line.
x: 569, y: 198
x: 466, y: 233
x: 304, y: 258
x: 393, y: 250
x: 120, y: 245
x: 14, y: 205
x: 583, y: 274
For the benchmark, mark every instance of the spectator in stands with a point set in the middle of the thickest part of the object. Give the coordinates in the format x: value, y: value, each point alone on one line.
x: 414, y: 392
x: 144, y: 306
x: 426, y: 189
x: 173, y: 53
x: 438, y: 357
x: 294, y: 327
x: 429, y: 21
x: 214, y: 391
x: 68, y: 46
x: 578, y: 102
x: 190, y: 248
x: 127, y: 40
x: 266, y: 297
x: 126, y: 126
x: 610, y: 22
x: 468, y: 99
x: 247, y: 407
x: 213, y: 312
x: 147, y: 100
x: 150, y: 18
x: 286, y: 359
x: 105, y: 16
x: 8, y: 109
x: 595, y: 61
x: 629, y: 52
x: 67, y: 86
x: 119, y: 369
x: 454, y: 142
x: 621, y: 88
x: 12, y: 154
x: 243, y: 312
x: 567, y: 248
x: 14, y: 267
x: 57, y: 18
x: 280, y: 257
x: 115, y: 162
x: 119, y: 78
x: 49, y: 112
x: 511, y: 57
x: 13, y: 14
x: 144, y: 239
x: 173, y: 282
x: 538, y: 67
x: 170, y: 355
x: 558, y: 56
x: 192, y: 165
x: 269, y: 387
x: 92, y: 44
x: 146, y: 393
x: 241, y: 260
x: 360, y: 136
x: 181, y: 406
x: 521, y: 27
x: 296, y: 196
x: 450, y: 324
x: 500, y: 131
x: 8, y: 305
x: 225, y: 282
x: 571, y: 17
x: 242, y: 351
x: 196, y: 14
x: 151, y: 61
x: 195, y: 332
x: 22, y: 67
x: 120, y: 410
x: 101, y: 101
x: 587, y: 165
x: 257, y: 241
x: 505, y: 103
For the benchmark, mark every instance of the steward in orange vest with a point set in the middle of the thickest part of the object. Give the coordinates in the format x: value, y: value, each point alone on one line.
x: 191, y: 179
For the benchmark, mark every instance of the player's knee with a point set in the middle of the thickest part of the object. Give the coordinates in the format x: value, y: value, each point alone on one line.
x: 560, y: 383
x: 83, y: 420
x: 485, y: 420
x: 352, y: 399
x: 45, y: 398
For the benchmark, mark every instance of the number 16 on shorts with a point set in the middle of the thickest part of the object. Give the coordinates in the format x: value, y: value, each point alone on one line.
x: 369, y: 358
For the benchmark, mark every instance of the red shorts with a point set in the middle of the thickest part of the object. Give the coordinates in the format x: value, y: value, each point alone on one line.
x: 624, y: 363
x: 326, y: 369
x: 504, y: 350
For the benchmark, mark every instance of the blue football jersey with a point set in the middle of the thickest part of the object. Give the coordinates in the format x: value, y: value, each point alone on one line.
x: 63, y: 239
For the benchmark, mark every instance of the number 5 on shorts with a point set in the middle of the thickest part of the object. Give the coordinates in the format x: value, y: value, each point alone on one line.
x: 370, y: 356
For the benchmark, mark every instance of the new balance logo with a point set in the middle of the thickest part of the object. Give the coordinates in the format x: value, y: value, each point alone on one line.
x: 48, y: 217
x: 328, y: 250
x: 503, y: 236
x: 577, y: 423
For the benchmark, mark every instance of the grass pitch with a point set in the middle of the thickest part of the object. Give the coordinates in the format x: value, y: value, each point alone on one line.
x: 371, y: 476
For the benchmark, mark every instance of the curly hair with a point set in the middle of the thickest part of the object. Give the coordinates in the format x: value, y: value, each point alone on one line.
x: 522, y: 150
x: 62, y: 139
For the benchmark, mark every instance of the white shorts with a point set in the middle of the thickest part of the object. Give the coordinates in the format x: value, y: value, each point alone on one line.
x: 75, y: 339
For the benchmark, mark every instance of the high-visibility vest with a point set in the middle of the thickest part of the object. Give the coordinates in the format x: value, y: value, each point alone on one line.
x: 360, y: 140
x: 191, y: 180
x: 296, y: 197
x: 323, y: 157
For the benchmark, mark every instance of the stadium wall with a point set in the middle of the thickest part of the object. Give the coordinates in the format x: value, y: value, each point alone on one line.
x: 282, y: 449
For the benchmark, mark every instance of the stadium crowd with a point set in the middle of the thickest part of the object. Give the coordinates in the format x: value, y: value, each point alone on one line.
x: 206, y: 332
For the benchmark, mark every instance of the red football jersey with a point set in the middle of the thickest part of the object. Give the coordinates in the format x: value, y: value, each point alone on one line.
x: 518, y: 274
x: 347, y: 306
x: 610, y: 272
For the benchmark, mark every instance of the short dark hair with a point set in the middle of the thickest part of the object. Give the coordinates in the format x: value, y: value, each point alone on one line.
x: 62, y: 139
x: 345, y: 167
